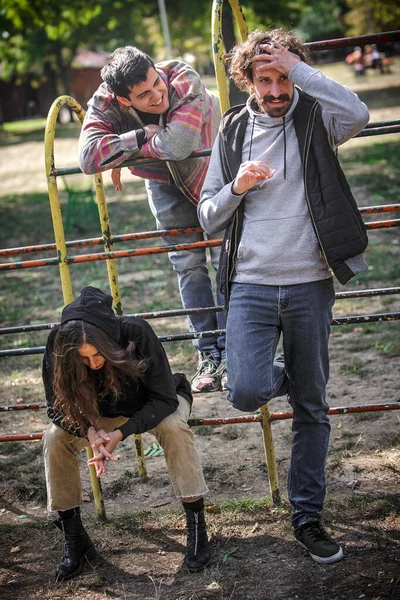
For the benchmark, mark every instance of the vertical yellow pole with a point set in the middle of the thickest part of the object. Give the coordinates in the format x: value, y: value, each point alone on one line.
x: 219, y: 63
x: 270, y: 457
x: 140, y: 458
x: 218, y: 46
x: 59, y: 235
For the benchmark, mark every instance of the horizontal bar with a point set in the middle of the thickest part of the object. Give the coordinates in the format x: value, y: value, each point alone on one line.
x: 361, y: 40
x: 379, y: 131
x: 113, y: 239
x: 278, y: 416
x: 83, y: 258
x: 61, y: 171
x: 383, y: 224
x: 182, y: 312
x: 369, y: 210
x: 381, y: 127
x: 217, y: 332
x: 143, y: 235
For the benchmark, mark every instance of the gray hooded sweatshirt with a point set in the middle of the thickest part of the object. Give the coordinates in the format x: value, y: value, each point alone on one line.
x: 278, y: 245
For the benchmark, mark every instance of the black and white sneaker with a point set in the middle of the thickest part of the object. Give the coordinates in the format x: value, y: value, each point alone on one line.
x: 313, y: 537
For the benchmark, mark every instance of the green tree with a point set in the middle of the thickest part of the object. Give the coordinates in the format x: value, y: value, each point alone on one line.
x: 372, y: 16
x: 322, y: 20
x: 39, y: 40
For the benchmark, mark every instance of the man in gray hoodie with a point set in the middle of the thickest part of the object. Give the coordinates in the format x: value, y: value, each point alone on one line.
x: 292, y: 223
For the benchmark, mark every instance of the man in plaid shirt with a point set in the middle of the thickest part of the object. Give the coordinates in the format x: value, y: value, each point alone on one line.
x: 163, y: 111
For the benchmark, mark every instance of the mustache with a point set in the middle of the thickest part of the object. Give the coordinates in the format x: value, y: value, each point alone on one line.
x: 282, y: 98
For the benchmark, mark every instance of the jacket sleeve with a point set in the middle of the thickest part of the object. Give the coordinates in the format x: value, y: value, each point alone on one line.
x: 186, y: 118
x: 158, y: 381
x: 217, y: 201
x: 100, y: 148
x: 343, y: 113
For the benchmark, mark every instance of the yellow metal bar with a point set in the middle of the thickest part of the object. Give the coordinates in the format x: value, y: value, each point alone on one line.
x: 219, y: 63
x: 219, y: 49
x: 140, y: 458
x: 54, y: 197
x: 59, y: 235
x: 270, y: 457
x: 96, y: 487
x: 108, y: 246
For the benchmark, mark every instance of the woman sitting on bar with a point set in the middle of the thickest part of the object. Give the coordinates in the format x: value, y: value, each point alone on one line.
x: 106, y: 378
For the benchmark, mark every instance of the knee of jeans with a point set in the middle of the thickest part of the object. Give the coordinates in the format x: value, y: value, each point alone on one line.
x: 189, y: 261
x: 246, y: 400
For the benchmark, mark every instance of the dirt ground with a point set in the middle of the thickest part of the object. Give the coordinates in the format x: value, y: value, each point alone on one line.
x: 254, y: 555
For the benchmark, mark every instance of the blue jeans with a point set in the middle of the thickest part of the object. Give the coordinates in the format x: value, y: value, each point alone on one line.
x: 257, y: 316
x: 172, y: 209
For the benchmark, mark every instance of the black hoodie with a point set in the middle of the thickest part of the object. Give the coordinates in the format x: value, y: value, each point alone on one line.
x: 146, y: 402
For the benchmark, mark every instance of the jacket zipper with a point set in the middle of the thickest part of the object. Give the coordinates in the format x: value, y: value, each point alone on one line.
x: 229, y: 263
x: 179, y: 183
x: 305, y: 160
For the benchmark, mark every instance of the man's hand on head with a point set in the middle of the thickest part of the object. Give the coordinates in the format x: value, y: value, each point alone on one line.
x: 279, y: 58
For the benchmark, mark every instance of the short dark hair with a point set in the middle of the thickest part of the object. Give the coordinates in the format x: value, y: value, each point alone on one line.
x: 126, y: 67
x: 242, y: 55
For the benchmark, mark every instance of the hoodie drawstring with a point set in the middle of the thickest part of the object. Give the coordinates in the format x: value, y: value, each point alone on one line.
x: 251, y: 137
x: 284, y: 147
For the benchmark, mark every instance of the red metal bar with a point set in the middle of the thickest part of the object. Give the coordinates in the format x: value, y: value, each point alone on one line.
x: 127, y: 237
x: 80, y: 258
x: 369, y: 210
x: 361, y: 40
x: 378, y: 131
x: 83, y: 258
x: 383, y: 224
x: 143, y: 251
x: 278, y: 416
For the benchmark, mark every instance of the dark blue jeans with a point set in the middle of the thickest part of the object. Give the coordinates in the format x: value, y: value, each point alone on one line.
x: 257, y: 316
x: 171, y: 209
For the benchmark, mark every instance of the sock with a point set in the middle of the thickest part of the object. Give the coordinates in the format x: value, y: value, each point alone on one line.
x: 196, y: 506
x: 69, y: 513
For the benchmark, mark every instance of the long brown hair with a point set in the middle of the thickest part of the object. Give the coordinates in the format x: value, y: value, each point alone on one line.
x: 77, y: 388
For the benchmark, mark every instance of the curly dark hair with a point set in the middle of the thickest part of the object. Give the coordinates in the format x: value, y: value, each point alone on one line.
x: 77, y: 388
x: 242, y: 55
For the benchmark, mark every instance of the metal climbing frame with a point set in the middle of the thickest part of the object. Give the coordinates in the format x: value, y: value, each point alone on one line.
x: 64, y: 260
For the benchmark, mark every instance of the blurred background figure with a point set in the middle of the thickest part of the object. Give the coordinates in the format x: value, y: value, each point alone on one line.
x: 356, y: 59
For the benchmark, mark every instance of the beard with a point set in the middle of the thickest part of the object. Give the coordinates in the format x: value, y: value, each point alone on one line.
x: 271, y: 111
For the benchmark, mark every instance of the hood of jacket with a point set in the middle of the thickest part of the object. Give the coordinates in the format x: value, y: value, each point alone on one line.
x: 95, y: 307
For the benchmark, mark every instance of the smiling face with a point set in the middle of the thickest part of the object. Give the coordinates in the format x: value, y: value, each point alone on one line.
x: 150, y: 96
x: 273, y: 91
x: 91, y: 357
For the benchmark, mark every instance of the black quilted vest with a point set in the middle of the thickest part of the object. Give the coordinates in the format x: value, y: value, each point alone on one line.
x: 336, y: 219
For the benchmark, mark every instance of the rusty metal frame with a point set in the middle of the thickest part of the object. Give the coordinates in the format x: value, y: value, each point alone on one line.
x: 64, y: 261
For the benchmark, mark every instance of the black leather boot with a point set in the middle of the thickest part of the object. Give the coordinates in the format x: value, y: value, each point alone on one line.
x: 78, y: 547
x: 197, y: 555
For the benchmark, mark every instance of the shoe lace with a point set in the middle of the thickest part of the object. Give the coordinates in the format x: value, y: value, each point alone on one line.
x: 316, y: 531
x: 221, y: 368
x: 207, y: 364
